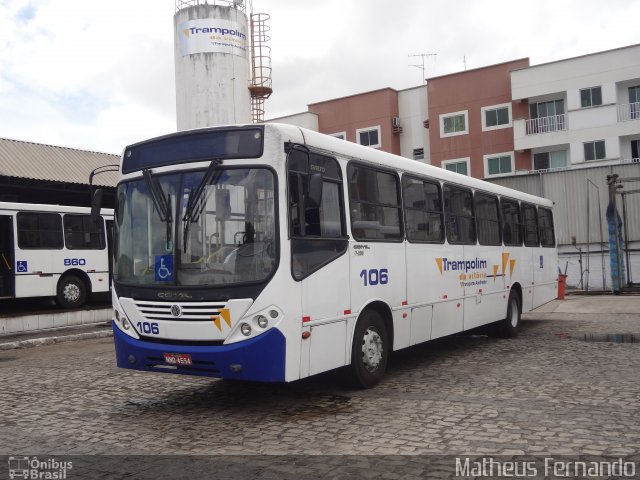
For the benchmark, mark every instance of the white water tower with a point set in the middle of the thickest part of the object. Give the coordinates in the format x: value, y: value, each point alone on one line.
x: 212, y: 58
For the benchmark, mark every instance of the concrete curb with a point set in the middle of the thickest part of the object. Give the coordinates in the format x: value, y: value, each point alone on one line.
x: 35, y: 342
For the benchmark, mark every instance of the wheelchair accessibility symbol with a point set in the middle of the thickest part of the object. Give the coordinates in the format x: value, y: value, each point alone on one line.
x: 164, y: 268
x: 22, y: 266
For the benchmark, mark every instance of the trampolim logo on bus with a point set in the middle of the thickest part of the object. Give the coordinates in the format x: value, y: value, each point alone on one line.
x: 476, y: 271
x: 225, y: 315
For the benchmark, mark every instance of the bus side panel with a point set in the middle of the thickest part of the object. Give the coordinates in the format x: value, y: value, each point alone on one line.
x: 326, y: 300
x: 34, y: 277
x: 421, y: 289
x: 545, y: 276
x: 446, y: 287
x: 519, y: 269
x: 99, y: 281
x: 484, y: 285
x: 378, y: 272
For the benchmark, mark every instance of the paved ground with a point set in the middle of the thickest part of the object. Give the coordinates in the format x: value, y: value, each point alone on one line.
x: 547, y: 392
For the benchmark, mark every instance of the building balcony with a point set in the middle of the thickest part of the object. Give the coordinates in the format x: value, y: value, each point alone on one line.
x: 554, y: 123
x: 532, y: 132
x: 628, y: 112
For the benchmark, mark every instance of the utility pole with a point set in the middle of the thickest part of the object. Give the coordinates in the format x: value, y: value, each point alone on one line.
x: 421, y: 66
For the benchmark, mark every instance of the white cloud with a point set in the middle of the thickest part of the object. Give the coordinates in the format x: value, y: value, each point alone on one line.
x: 99, y: 75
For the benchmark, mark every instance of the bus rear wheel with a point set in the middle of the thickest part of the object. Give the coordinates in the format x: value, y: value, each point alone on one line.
x: 72, y: 292
x: 369, y: 351
x: 508, y: 327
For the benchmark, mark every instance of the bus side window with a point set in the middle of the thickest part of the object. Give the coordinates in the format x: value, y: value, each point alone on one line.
x: 375, y: 205
x: 530, y: 220
x: 511, y: 222
x: 488, y: 219
x: 39, y: 230
x: 545, y: 226
x: 422, y: 210
x: 458, y: 208
x: 316, y: 226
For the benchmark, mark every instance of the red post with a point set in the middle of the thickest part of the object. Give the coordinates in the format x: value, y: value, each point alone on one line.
x: 562, y: 285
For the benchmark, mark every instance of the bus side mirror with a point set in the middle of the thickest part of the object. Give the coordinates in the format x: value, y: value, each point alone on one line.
x: 96, y: 205
x: 314, y: 195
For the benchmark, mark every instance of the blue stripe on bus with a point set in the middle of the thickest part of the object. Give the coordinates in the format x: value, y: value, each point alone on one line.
x: 261, y: 358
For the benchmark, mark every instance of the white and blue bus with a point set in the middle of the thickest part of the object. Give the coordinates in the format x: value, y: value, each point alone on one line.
x: 272, y: 253
x: 54, y: 251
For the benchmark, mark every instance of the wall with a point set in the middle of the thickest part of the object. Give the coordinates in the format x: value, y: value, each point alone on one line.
x: 370, y: 109
x: 413, y: 110
x: 470, y: 91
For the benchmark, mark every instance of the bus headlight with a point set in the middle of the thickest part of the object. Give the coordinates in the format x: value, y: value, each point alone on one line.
x: 125, y: 323
x: 262, y: 321
x: 245, y: 328
x: 255, y: 323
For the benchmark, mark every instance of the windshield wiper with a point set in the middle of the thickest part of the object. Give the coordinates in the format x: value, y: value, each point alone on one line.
x: 161, y: 203
x: 196, y: 203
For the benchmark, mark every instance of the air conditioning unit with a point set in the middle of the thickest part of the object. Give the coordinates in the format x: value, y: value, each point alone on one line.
x: 395, y: 122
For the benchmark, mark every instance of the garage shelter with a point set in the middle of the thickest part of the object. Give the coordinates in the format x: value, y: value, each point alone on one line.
x: 38, y: 173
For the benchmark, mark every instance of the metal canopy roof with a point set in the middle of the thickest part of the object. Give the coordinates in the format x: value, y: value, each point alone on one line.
x: 59, y: 164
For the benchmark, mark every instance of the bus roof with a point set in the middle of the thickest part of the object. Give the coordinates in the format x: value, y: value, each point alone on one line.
x: 41, y: 207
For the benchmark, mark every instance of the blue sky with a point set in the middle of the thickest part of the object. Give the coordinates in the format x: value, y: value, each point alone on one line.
x: 99, y: 75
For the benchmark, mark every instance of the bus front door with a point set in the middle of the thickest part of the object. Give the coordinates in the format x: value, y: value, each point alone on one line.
x: 7, y: 284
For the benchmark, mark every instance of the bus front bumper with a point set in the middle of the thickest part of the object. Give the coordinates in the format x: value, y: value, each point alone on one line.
x: 261, y: 358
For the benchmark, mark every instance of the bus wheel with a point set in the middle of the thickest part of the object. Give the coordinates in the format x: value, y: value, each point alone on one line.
x: 72, y: 292
x: 370, y: 351
x: 508, y: 327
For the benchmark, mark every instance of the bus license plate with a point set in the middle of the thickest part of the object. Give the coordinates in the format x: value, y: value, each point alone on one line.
x: 177, y: 358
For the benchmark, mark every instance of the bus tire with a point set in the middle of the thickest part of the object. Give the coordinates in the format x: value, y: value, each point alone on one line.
x: 369, y: 351
x: 72, y: 292
x: 508, y: 327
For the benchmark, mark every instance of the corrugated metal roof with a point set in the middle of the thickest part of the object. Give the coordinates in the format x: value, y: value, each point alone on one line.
x: 59, y: 164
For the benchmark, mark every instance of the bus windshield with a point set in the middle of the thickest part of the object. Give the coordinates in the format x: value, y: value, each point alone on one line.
x: 176, y: 229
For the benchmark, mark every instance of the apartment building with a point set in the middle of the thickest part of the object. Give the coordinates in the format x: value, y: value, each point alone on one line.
x: 471, y: 121
x: 387, y: 119
x: 579, y: 112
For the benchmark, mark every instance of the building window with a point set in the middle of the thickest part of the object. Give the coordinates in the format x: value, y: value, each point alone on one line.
x: 455, y: 123
x: 369, y: 137
x: 496, y: 116
x: 340, y: 135
x: 418, y: 153
x: 594, y: 150
x: 546, y: 117
x: 498, y: 164
x: 459, y: 166
x: 549, y: 160
x: 590, y: 97
x: 634, y: 102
